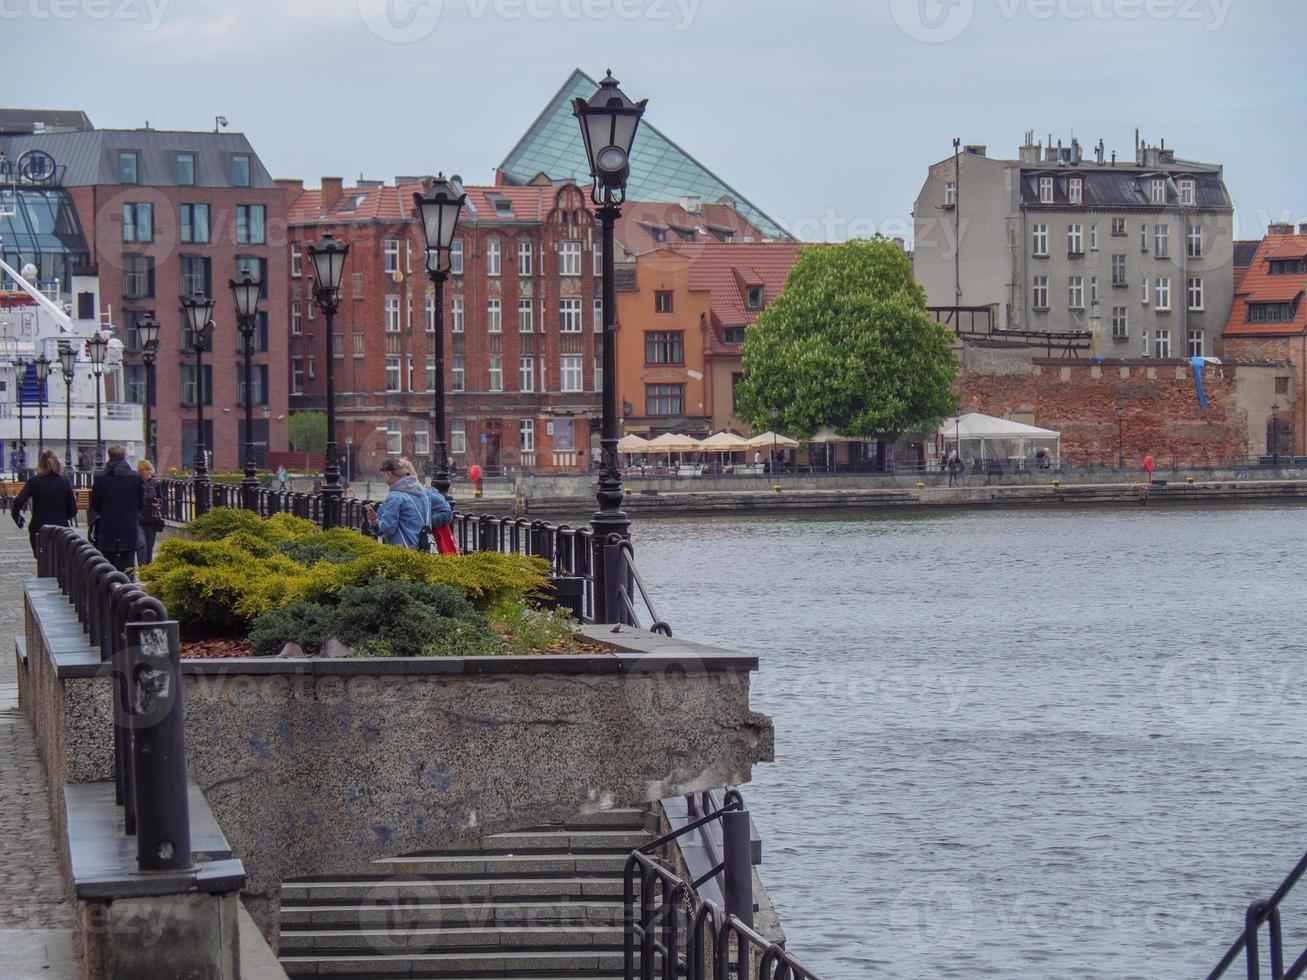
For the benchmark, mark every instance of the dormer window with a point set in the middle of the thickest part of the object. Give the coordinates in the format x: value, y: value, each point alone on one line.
x: 1045, y: 190
x: 753, y: 298
x: 503, y: 207
x: 1157, y: 190
x: 352, y: 203
x: 1187, y: 187
x: 658, y: 234
x: 1287, y: 267
x: 1075, y: 190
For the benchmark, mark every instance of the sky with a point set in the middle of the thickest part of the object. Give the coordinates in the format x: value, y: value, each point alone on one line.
x: 825, y: 114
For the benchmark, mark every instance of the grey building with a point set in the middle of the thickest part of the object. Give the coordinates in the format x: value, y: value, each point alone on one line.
x: 1138, y: 253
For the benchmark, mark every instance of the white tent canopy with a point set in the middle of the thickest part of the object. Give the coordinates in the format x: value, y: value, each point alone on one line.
x: 770, y: 439
x: 984, y: 437
x: 724, y: 442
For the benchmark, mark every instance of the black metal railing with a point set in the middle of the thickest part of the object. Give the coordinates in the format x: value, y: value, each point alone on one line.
x: 670, y: 932
x: 140, y: 649
x: 1265, y: 913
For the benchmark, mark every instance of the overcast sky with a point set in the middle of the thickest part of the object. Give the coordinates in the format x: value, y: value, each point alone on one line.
x: 825, y: 114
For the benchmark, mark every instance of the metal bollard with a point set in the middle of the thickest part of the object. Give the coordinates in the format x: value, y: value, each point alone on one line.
x: 737, y: 856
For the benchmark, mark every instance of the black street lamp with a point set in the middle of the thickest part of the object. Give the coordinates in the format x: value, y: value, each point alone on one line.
x: 328, y: 258
x: 43, y: 365
x: 97, y: 347
x: 68, y: 367
x: 246, y: 295
x: 608, y: 121
x: 199, y: 326
x: 439, y: 207
x: 1120, y: 438
x: 148, y: 330
x: 20, y: 378
x: 1275, y: 436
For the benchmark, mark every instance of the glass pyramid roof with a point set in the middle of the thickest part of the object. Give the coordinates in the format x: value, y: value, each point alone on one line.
x: 660, y: 170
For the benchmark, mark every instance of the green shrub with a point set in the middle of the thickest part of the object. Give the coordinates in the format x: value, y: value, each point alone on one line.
x: 486, y: 578
x: 529, y: 629
x: 307, y: 623
x: 403, y: 616
x: 222, y: 521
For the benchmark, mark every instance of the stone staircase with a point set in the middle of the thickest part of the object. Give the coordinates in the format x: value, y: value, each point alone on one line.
x: 545, y: 902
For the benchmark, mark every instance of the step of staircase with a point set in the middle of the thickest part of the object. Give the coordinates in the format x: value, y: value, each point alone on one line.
x: 537, y: 903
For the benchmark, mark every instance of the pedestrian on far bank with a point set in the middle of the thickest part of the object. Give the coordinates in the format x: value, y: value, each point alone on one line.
x: 81, y: 460
x: 53, y: 499
x: 954, y: 464
x: 117, y: 498
x: 963, y: 466
x: 283, y: 478
x: 151, y: 513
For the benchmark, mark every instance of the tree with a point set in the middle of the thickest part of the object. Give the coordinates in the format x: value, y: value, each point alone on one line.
x: 307, y: 431
x: 848, y: 344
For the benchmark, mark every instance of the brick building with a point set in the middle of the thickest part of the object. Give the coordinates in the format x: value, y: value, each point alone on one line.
x: 168, y: 213
x: 522, y: 322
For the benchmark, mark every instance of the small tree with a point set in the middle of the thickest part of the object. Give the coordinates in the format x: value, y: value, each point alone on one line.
x: 848, y: 344
x: 307, y: 431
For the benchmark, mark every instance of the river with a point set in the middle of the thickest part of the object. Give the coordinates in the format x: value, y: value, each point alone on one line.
x: 1014, y: 744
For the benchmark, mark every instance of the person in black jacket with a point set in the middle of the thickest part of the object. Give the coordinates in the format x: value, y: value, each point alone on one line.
x: 52, y: 496
x: 117, y: 498
x: 151, y: 513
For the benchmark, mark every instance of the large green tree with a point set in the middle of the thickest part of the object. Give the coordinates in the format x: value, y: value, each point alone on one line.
x: 307, y: 431
x: 848, y: 344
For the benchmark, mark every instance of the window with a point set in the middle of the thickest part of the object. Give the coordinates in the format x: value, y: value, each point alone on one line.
x: 664, y: 347
x: 524, y: 258
x: 456, y: 314
x: 421, y: 439
x: 493, y: 258
x: 137, y: 383
x: 138, y: 222
x: 296, y: 254
x: 1282, y: 385
x: 1045, y: 190
x: 338, y: 344
x: 1162, y: 241
x: 1195, y: 292
x: 1194, y: 343
x: 1195, y: 241
x: 358, y: 343
x: 196, y: 276
x: 1093, y: 290
x: 459, y: 373
x: 526, y: 372
x: 733, y: 335
x: 1143, y: 290
x: 598, y: 259
x: 526, y: 431
x: 1163, y: 299
x: 431, y: 374
x: 430, y: 307
x: 392, y: 255
x: 458, y: 437
x: 1162, y: 343
x: 392, y: 314
x: 250, y: 224
x: 599, y: 315
x: 195, y: 225
x: 1118, y: 227
x: 1093, y: 238
x: 1143, y: 342
x: 599, y: 372
x: 296, y: 318
x: 313, y: 310
x: 1143, y: 238
x: 257, y: 268
x: 1075, y: 292
x: 494, y: 317
x: 1075, y: 190
x: 950, y: 193
x: 393, y: 374
x: 753, y: 299
x: 1286, y: 267
x: 356, y: 278
x: 186, y: 169
x: 1039, y: 239
x: 258, y: 384
x: 1120, y: 322
x: 1040, y: 297
x: 128, y: 167
x: 188, y: 384
x: 525, y: 316
x: 259, y: 341
x: 1118, y: 270
x: 240, y: 170
x: 664, y: 399
x: 496, y: 362
x: 569, y: 316
x: 138, y: 276
x: 394, y: 437
x: 663, y: 301
x: 1157, y: 195
x: 569, y: 259
x: 456, y: 257
x: 1270, y: 312
x: 1186, y: 191
x: 1075, y: 240
x: 570, y: 372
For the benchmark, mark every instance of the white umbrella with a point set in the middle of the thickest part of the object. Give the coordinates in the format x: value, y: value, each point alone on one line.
x: 724, y: 442
x: 673, y: 442
x: 773, y: 439
x: 632, y: 444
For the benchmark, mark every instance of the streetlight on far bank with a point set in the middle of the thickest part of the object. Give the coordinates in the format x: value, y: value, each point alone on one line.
x: 1275, y: 435
x: 1120, y: 438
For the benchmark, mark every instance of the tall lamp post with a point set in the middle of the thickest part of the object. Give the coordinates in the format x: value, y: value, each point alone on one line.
x: 199, y: 324
x: 246, y: 295
x: 328, y: 257
x: 1275, y: 436
x: 775, y: 416
x: 1120, y: 438
x: 97, y: 347
x: 148, y: 330
x: 43, y: 365
x: 439, y: 205
x: 68, y: 367
x: 20, y: 377
x: 608, y: 121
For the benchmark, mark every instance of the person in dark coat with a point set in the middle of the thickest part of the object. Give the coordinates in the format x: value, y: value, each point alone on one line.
x: 117, y: 498
x: 52, y: 496
x: 151, y: 513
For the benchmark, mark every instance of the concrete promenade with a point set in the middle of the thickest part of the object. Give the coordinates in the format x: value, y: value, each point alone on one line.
x: 36, y: 919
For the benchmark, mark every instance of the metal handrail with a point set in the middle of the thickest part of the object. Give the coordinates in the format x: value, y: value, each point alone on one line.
x: 1261, y: 913
x: 626, y: 550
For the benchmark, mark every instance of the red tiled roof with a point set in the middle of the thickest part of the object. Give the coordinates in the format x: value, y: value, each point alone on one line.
x: 642, y: 220
x: 1244, y: 252
x: 395, y: 204
x: 1259, y: 286
x: 728, y: 269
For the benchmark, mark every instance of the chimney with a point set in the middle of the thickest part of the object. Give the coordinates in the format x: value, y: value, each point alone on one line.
x: 1302, y: 228
x: 332, y: 188
x: 1280, y: 228
x: 691, y: 204
x: 291, y: 188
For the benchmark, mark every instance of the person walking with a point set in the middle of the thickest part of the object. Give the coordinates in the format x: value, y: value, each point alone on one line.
x: 117, y: 499
x: 953, y: 465
x: 283, y: 478
x: 151, y: 513
x: 406, y: 509
x: 53, y: 499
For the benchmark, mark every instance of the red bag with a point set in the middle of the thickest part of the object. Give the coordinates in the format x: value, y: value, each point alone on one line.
x: 445, y: 543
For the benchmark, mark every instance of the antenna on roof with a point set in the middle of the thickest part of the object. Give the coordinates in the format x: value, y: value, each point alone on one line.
x: 218, y: 122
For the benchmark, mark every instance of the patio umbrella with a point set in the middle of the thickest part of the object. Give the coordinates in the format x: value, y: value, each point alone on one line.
x: 724, y: 442
x: 673, y: 442
x: 773, y: 439
x: 632, y: 444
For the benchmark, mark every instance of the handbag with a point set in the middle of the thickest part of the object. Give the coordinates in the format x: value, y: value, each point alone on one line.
x: 445, y: 542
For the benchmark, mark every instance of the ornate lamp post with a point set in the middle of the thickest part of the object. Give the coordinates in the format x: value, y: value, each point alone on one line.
x: 439, y: 207
x: 199, y: 324
x: 328, y: 257
x: 68, y: 367
x: 1275, y: 436
x: 97, y: 347
x: 608, y: 123
x: 20, y: 376
x: 148, y: 330
x: 43, y: 365
x: 246, y: 295
x: 1120, y: 438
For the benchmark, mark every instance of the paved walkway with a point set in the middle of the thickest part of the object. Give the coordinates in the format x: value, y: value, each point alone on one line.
x: 36, y: 920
